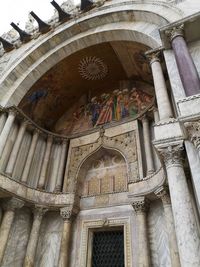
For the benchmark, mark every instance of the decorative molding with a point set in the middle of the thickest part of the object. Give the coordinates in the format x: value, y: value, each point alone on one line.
x: 89, y: 226
x: 172, y: 155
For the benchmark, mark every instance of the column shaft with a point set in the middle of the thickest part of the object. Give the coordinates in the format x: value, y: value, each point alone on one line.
x: 147, y: 146
x: 187, y: 233
x: 162, y: 97
x: 6, y: 130
x: 61, y: 167
x: 42, y: 178
x: 6, y: 224
x: 143, y: 259
x: 30, y: 157
x: 187, y: 69
x: 64, y: 248
x: 15, y: 150
x: 54, y: 171
x: 33, y: 238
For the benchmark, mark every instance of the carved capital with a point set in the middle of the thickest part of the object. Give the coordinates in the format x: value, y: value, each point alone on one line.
x: 39, y: 212
x: 66, y: 213
x: 163, y: 193
x: 141, y: 206
x: 193, y: 130
x: 172, y: 155
x: 175, y: 31
x: 13, y: 204
x: 154, y: 56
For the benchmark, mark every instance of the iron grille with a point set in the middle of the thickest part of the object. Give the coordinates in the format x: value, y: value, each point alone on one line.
x: 108, y: 249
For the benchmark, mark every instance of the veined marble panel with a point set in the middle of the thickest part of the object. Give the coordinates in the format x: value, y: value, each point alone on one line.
x: 158, y: 240
x: 48, y: 248
x: 18, y: 239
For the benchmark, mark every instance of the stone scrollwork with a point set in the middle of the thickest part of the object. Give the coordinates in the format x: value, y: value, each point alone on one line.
x: 124, y: 143
x: 172, y: 155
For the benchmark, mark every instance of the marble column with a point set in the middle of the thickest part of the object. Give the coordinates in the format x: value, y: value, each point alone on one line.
x: 61, y: 167
x: 66, y: 214
x: 163, y: 194
x: 147, y: 146
x: 30, y: 156
x: 7, y: 221
x: 54, y: 170
x: 13, y: 156
x: 3, y: 118
x: 141, y: 209
x: 187, y: 233
x: 6, y: 130
x: 42, y: 179
x: 187, y: 69
x: 163, y: 102
x: 39, y: 211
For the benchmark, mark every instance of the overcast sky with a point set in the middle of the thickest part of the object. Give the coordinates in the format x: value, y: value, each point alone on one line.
x: 17, y: 11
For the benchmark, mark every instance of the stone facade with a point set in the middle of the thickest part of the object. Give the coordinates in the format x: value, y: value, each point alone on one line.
x: 139, y: 174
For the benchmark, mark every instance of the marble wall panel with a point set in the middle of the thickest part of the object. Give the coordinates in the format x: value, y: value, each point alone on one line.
x: 18, y: 239
x: 158, y: 240
x: 194, y: 49
x: 49, y: 241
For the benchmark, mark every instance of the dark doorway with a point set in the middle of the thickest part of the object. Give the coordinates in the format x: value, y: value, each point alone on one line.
x: 108, y: 249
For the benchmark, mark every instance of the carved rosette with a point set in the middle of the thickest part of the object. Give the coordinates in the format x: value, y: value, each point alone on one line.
x: 172, y: 155
x: 175, y: 31
x: 141, y: 206
x: 163, y: 194
x: 193, y: 130
x: 13, y: 204
x: 66, y: 213
x: 125, y: 143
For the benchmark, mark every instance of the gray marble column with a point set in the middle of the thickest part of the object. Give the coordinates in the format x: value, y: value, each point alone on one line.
x: 3, y: 118
x: 163, y: 102
x: 61, y: 168
x: 51, y: 184
x: 187, y: 69
x: 187, y: 233
x: 13, y: 156
x: 34, y: 236
x: 42, y: 179
x: 147, y: 146
x: 7, y: 221
x: 6, y: 130
x: 66, y: 214
x: 163, y: 194
x: 141, y: 209
x: 30, y: 156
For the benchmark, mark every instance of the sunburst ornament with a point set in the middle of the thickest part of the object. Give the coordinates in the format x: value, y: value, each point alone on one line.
x: 92, y: 68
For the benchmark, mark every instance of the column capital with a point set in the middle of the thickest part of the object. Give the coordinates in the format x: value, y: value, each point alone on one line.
x: 67, y: 213
x: 13, y: 204
x: 193, y: 130
x: 39, y: 211
x: 175, y: 31
x: 163, y: 193
x: 141, y: 206
x: 154, y: 55
x: 172, y: 154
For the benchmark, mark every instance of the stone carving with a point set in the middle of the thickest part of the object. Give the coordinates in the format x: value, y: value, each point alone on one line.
x: 163, y: 194
x: 92, y: 68
x: 175, y: 31
x: 124, y: 143
x: 13, y: 204
x: 140, y: 206
x: 4, y: 63
x: 154, y: 55
x: 66, y: 213
x: 193, y: 129
x: 39, y: 212
x: 172, y: 155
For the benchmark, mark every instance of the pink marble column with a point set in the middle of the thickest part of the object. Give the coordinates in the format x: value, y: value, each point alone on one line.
x: 187, y: 69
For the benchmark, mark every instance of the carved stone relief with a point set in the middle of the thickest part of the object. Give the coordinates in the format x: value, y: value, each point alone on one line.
x: 124, y: 143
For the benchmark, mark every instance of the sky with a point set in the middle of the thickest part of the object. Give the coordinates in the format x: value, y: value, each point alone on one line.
x: 17, y: 11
